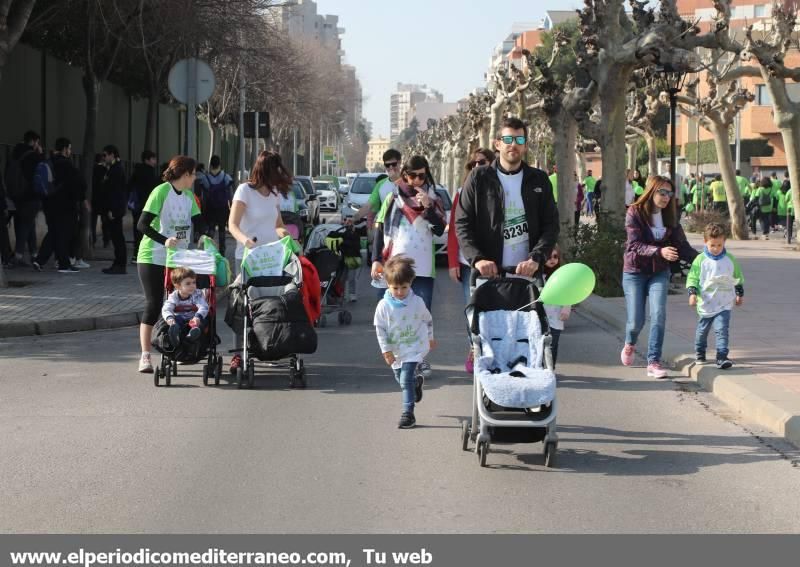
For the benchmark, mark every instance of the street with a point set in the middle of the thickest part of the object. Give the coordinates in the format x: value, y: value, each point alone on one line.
x: 90, y: 445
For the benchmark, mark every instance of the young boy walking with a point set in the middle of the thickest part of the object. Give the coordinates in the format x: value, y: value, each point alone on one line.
x: 715, y: 284
x: 405, y: 332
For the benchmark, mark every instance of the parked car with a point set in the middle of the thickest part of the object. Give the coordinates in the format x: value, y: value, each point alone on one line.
x: 328, y: 196
x: 440, y: 242
x: 359, y: 193
x: 311, y: 197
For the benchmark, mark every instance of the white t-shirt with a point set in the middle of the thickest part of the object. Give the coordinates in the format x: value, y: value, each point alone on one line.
x: 515, y: 227
x: 415, y: 241
x: 657, y: 226
x: 260, y: 216
x: 404, y: 329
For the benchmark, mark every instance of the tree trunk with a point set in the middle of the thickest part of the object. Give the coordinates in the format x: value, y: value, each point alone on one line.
x: 739, y: 229
x: 614, y: 150
x: 496, y: 115
x: 91, y: 90
x: 212, y: 140
x: 631, y: 147
x: 565, y: 136
x: 791, y: 141
x: 151, y: 126
x: 652, y: 153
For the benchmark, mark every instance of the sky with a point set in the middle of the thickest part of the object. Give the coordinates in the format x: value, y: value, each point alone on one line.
x: 445, y: 44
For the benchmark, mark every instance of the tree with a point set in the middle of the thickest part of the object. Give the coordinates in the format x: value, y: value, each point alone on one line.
x: 14, y: 16
x: 716, y: 111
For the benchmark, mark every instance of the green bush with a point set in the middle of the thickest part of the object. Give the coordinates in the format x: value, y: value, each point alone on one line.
x: 601, y: 246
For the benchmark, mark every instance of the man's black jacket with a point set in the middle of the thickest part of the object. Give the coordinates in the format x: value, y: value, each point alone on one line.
x: 142, y: 182
x: 115, y: 191
x: 481, y: 213
x: 71, y: 188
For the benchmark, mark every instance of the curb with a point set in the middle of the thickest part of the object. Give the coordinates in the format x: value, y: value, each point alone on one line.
x: 753, y: 398
x: 77, y: 324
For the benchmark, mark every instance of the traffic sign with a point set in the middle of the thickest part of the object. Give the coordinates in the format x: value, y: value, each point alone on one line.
x: 250, y: 125
x: 189, y: 75
x: 329, y: 153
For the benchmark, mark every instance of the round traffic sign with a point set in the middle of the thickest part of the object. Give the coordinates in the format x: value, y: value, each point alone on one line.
x: 180, y: 80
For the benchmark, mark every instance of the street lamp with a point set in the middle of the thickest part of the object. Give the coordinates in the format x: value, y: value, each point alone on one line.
x: 675, y: 79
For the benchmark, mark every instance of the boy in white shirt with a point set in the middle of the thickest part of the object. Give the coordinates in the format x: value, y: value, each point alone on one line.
x: 405, y: 332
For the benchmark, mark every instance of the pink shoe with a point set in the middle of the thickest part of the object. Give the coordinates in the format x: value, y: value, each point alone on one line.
x: 469, y: 365
x: 626, y: 356
x: 655, y: 370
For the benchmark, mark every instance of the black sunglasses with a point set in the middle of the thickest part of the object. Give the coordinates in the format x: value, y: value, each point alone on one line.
x: 390, y: 164
x: 412, y: 175
x: 472, y: 164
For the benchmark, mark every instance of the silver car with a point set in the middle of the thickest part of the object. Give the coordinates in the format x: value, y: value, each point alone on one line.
x: 328, y: 196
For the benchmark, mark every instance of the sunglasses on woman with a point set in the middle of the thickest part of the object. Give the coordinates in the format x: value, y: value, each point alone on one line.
x: 413, y: 175
x: 477, y: 162
x: 665, y: 193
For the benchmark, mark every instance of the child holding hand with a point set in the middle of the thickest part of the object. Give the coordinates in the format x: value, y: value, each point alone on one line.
x: 556, y: 314
x: 405, y: 332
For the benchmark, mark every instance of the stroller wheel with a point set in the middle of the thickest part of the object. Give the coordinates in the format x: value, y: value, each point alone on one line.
x: 340, y: 317
x: 157, y: 376
x: 465, y: 435
x: 251, y: 376
x: 239, y: 378
x: 168, y: 375
x: 217, y: 370
x: 347, y: 317
x: 483, y: 450
x: 550, y: 450
x: 323, y: 322
x: 174, y: 368
x: 205, y: 375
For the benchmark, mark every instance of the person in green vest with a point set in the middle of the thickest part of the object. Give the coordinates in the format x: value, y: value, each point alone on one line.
x: 762, y: 198
x: 638, y: 183
x: 720, y: 199
x: 776, y: 191
x: 554, y: 182
x: 789, y: 216
x: 589, y: 184
x: 743, y: 184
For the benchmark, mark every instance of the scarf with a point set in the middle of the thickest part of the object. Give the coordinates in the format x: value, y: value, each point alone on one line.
x: 394, y: 302
x: 405, y: 205
x: 718, y: 257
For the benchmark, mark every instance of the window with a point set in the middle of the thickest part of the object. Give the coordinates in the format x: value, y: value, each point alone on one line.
x: 761, y: 11
x: 793, y: 90
x: 762, y: 96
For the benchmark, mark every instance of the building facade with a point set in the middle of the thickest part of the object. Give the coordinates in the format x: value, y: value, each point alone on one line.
x: 405, y: 97
x: 375, y: 151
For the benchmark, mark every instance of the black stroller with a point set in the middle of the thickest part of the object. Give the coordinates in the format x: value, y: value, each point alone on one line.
x: 204, y: 349
x: 514, y: 395
x: 267, y: 303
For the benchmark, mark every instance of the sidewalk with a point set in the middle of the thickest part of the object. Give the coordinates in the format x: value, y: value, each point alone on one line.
x: 41, y: 303
x: 764, y: 386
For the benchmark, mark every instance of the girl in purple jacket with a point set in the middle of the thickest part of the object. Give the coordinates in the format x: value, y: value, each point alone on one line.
x: 655, y: 240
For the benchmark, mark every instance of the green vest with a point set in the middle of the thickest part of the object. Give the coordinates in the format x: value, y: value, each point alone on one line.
x: 718, y: 191
x: 554, y: 183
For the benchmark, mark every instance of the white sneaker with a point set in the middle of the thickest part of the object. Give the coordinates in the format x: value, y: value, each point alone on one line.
x: 81, y: 265
x: 145, y: 364
x: 424, y: 368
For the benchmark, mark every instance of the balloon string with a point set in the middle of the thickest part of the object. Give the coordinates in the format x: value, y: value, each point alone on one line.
x: 528, y: 305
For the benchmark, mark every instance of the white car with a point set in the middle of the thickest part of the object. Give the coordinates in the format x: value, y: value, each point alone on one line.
x: 328, y: 196
x: 359, y: 193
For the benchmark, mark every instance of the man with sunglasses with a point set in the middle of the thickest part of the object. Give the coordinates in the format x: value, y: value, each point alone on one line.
x: 507, y: 219
x: 392, y: 163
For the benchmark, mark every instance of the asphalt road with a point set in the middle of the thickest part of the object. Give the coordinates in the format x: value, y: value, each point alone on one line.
x: 89, y: 445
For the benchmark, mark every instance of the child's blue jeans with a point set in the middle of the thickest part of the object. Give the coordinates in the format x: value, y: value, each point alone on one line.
x: 721, y: 322
x: 405, y: 376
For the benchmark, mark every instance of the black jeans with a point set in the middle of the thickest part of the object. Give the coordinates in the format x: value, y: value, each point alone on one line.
x: 5, y: 242
x: 118, y: 240
x: 25, y: 227
x: 789, y: 228
x: 103, y: 226
x: 217, y: 220
x: 137, y: 236
x: 60, y: 233
x: 764, y: 219
x: 555, y: 335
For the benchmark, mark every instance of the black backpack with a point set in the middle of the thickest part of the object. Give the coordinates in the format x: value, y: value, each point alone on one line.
x: 17, y: 186
x: 217, y: 195
x: 765, y: 198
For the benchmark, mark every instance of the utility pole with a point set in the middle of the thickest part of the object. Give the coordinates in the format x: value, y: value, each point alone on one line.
x: 242, y: 104
x: 294, y: 151
x: 310, y: 149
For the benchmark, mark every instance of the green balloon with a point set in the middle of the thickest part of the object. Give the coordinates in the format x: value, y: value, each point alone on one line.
x: 569, y: 285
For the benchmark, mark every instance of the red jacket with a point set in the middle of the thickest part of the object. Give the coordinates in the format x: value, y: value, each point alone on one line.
x: 311, y: 290
x: 452, y: 238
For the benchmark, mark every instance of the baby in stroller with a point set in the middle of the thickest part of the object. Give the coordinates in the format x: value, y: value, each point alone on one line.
x: 185, y: 309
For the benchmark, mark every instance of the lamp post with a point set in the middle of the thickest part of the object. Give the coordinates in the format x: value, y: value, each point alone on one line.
x: 674, y: 78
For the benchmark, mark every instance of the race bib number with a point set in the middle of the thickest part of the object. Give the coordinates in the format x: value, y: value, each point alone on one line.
x: 515, y: 230
x: 182, y: 232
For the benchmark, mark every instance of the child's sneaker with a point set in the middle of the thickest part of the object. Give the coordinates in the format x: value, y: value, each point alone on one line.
x: 236, y: 363
x: 700, y: 358
x: 407, y: 421
x: 655, y: 370
x: 424, y: 368
x: 724, y: 363
x: 627, y: 355
x: 145, y: 364
x: 469, y: 365
x: 418, y: 388
x: 194, y: 334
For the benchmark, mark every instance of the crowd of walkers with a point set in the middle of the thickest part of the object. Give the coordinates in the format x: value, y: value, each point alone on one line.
x: 36, y: 181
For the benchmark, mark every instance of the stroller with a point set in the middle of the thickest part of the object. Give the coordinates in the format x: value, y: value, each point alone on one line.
x: 329, y: 248
x: 266, y: 302
x: 294, y: 224
x: 514, y: 395
x: 204, y: 265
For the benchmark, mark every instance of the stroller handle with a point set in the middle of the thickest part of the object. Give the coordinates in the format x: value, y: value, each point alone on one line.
x: 537, y: 279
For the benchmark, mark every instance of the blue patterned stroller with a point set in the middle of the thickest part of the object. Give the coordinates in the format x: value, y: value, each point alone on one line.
x: 514, y: 394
